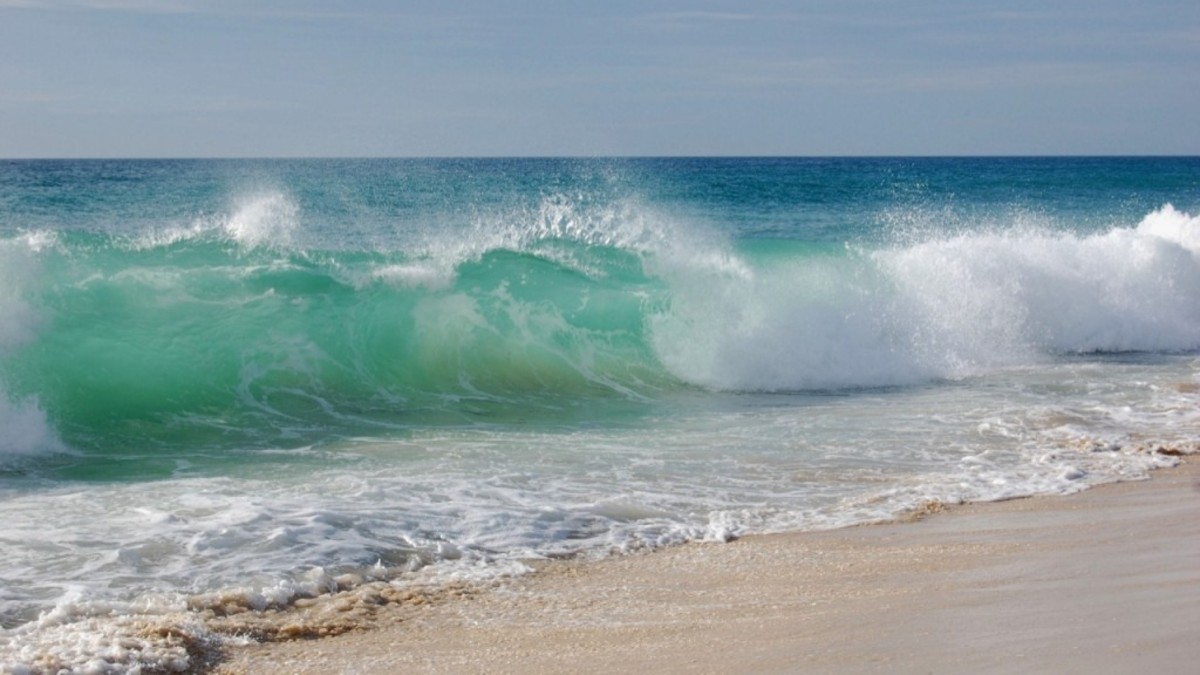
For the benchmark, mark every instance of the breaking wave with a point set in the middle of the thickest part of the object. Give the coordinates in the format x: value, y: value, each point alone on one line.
x: 230, y: 330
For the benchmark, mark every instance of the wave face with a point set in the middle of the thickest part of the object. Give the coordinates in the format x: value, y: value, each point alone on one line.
x: 229, y: 335
x: 258, y: 324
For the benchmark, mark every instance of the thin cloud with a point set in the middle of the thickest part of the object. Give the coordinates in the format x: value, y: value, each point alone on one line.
x: 198, y: 7
x: 703, y: 16
x: 31, y: 98
x: 140, y: 6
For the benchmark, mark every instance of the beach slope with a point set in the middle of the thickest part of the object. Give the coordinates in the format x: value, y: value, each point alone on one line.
x: 1103, y: 581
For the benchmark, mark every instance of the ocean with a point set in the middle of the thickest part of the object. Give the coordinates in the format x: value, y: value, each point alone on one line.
x: 250, y: 382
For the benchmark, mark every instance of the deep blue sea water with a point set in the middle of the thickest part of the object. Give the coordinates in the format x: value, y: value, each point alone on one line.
x: 252, y: 376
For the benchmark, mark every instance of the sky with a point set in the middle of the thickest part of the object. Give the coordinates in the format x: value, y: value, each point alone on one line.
x: 305, y: 78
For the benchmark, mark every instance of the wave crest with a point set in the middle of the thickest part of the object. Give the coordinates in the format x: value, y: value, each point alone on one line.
x: 268, y: 219
x: 948, y: 306
x: 592, y: 304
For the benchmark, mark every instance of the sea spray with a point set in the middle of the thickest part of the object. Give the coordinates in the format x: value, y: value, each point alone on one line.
x: 997, y: 298
x: 263, y: 219
x: 24, y: 429
x: 948, y: 307
x: 1171, y: 225
x: 19, y: 273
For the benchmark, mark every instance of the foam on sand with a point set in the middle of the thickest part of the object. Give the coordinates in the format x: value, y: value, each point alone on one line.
x: 1102, y: 581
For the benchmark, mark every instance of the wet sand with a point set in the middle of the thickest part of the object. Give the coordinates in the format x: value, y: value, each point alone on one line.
x: 1107, y: 580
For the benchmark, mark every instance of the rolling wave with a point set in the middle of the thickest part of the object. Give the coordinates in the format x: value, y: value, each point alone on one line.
x: 235, y: 330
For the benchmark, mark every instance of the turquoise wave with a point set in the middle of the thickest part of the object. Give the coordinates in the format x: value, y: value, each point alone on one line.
x: 204, y: 340
x: 238, y: 333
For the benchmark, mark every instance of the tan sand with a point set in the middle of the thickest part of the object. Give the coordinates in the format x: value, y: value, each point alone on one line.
x: 1103, y: 581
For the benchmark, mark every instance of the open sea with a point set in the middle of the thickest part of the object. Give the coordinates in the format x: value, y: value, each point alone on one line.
x: 260, y: 380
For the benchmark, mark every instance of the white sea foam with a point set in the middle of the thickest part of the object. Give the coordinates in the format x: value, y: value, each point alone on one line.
x: 811, y: 325
x: 264, y: 219
x: 945, y: 304
x: 168, y: 235
x: 270, y: 218
x: 19, y: 271
x: 1174, y: 226
x: 24, y: 429
x: 415, y: 275
x: 476, y: 501
x: 948, y: 307
x: 624, y: 224
x: 995, y: 297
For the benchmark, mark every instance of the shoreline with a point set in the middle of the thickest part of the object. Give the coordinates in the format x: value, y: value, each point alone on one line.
x: 1102, y: 580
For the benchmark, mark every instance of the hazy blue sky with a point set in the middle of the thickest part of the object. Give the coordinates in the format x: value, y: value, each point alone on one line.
x: 131, y: 78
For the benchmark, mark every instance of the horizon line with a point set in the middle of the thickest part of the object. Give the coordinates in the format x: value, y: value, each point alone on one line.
x: 101, y: 158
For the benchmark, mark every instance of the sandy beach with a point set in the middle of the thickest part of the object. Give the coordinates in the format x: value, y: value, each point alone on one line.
x: 1102, y: 581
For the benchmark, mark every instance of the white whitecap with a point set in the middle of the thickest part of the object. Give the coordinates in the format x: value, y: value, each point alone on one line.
x: 268, y: 219
x: 947, y: 307
x: 20, y: 268
x: 415, y: 275
x: 1174, y: 226
x: 25, y: 430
